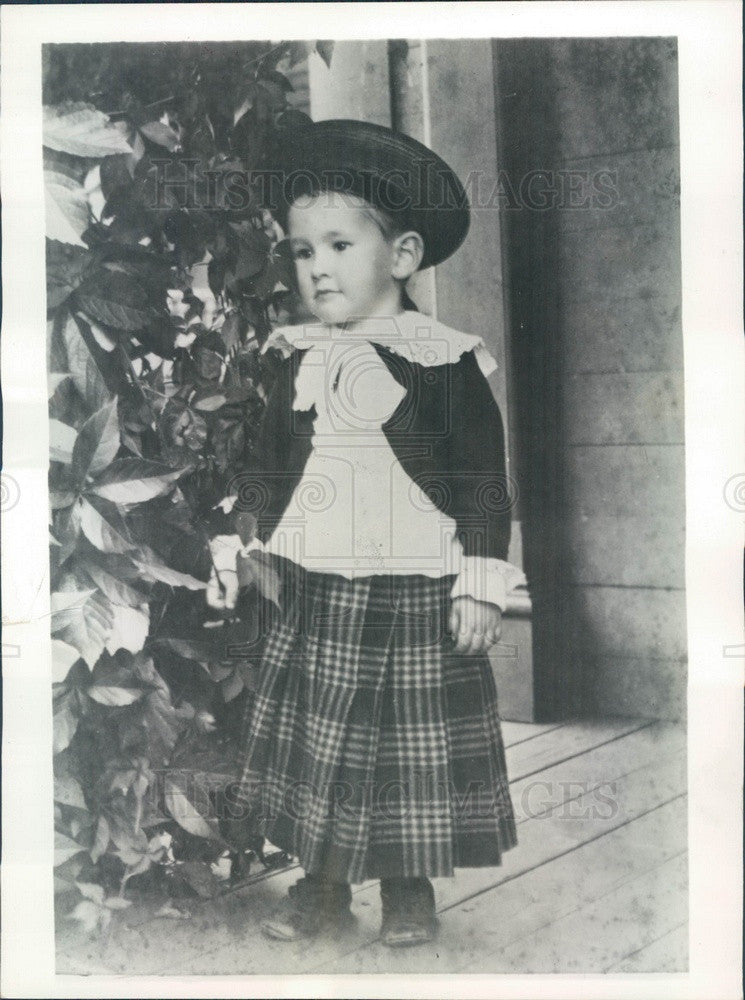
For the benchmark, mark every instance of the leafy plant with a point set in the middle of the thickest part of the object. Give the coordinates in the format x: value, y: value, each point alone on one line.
x: 164, y: 278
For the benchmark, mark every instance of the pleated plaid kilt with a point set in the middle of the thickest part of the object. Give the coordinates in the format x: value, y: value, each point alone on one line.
x: 371, y: 749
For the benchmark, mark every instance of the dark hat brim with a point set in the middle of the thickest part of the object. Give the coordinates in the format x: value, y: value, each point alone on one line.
x: 389, y: 169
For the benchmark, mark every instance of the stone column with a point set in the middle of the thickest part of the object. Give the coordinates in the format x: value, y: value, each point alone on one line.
x: 356, y: 85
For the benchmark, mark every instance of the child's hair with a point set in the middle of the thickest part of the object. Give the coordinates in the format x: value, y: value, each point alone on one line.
x: 389, y: 222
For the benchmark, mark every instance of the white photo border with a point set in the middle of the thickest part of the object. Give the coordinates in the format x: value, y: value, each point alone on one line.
x: 710, y: 62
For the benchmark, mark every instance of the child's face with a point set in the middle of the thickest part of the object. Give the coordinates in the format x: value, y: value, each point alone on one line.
x: 344, y: 262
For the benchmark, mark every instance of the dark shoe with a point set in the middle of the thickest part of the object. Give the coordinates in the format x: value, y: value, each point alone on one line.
x: 314, y: 907
x: 408, y: 912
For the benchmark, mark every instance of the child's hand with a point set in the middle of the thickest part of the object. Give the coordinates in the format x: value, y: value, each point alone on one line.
x: 474, y: 625
x: 222, y: 589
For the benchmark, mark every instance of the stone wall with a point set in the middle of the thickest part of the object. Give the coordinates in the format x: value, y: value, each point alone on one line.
x: 596, y: 294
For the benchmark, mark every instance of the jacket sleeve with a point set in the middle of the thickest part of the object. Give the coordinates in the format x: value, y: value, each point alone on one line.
x: 449, y: 438
x: 480, y: 492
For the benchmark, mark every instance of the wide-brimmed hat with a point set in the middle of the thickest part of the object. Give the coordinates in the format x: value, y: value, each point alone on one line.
x: 387, y: 168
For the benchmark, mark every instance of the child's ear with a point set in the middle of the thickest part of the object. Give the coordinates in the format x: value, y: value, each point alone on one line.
x: 408, y: 250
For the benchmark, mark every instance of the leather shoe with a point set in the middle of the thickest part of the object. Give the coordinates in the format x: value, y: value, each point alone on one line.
x: 409, y: 917
x: 313, y: 907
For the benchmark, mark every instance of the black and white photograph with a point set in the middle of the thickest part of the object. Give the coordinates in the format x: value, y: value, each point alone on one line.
x: 355, y: 399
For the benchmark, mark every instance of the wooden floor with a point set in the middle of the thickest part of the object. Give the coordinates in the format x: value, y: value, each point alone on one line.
x: 597, y: 883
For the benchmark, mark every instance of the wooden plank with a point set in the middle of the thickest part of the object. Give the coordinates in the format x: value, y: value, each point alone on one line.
x: 474, y: 932
x: 519, y: 732
x: 591, y: 939
x: 562, y: 830
x: 596, y: 770
x: 669, y: 953
x: 544, y: 751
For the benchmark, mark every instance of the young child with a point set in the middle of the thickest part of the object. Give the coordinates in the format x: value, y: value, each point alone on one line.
x: 373, y: 745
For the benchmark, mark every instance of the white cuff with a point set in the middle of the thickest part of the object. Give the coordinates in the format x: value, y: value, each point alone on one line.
x: 487, y: 580
x: 224, y: 550
x: 254, y: 544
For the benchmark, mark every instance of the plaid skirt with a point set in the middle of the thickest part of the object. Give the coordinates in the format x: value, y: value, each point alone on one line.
x: 371, y: 749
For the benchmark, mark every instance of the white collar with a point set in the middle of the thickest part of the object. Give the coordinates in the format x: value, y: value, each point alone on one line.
x: 414, y: 336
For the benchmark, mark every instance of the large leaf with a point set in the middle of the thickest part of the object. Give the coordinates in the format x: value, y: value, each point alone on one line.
x: 86, y: 374
x: 189, y: 649
x: 81, y: 130
x: 63, y: 163
x: 129, y: 629
x: 186, y: 814
x: 63, y: 657
x: 299, y: 51
x: 64, y: 848
x: 55, y: 380
x: 117, y: 903
x: 253, y: 256
x: 67, y: 214
x: 116, y: 589
x: 89, y: 628
x: 117, y: 300
x: 102, y: 525
x: 154, y: 570
x: 92, y: 891
x: 65, y: 721
x: 106, y: 341
x: 233, y: 331
x: 115, y: 172
x: 161, y: 134
x: 61, y: 441
x: 59, y: 499
x: 68, y: 792
x: 97, y: 443
x: 210, y: 402
x: 66, y: 265
x: 325, y: 50
x: 160, y: 725
x: 68, y: 531
x: 135, y: 480
x: 114, y: 696
x: 131, y: 845
x: 231, y: 686
x: 101, y: 840
x: 66, y: 605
